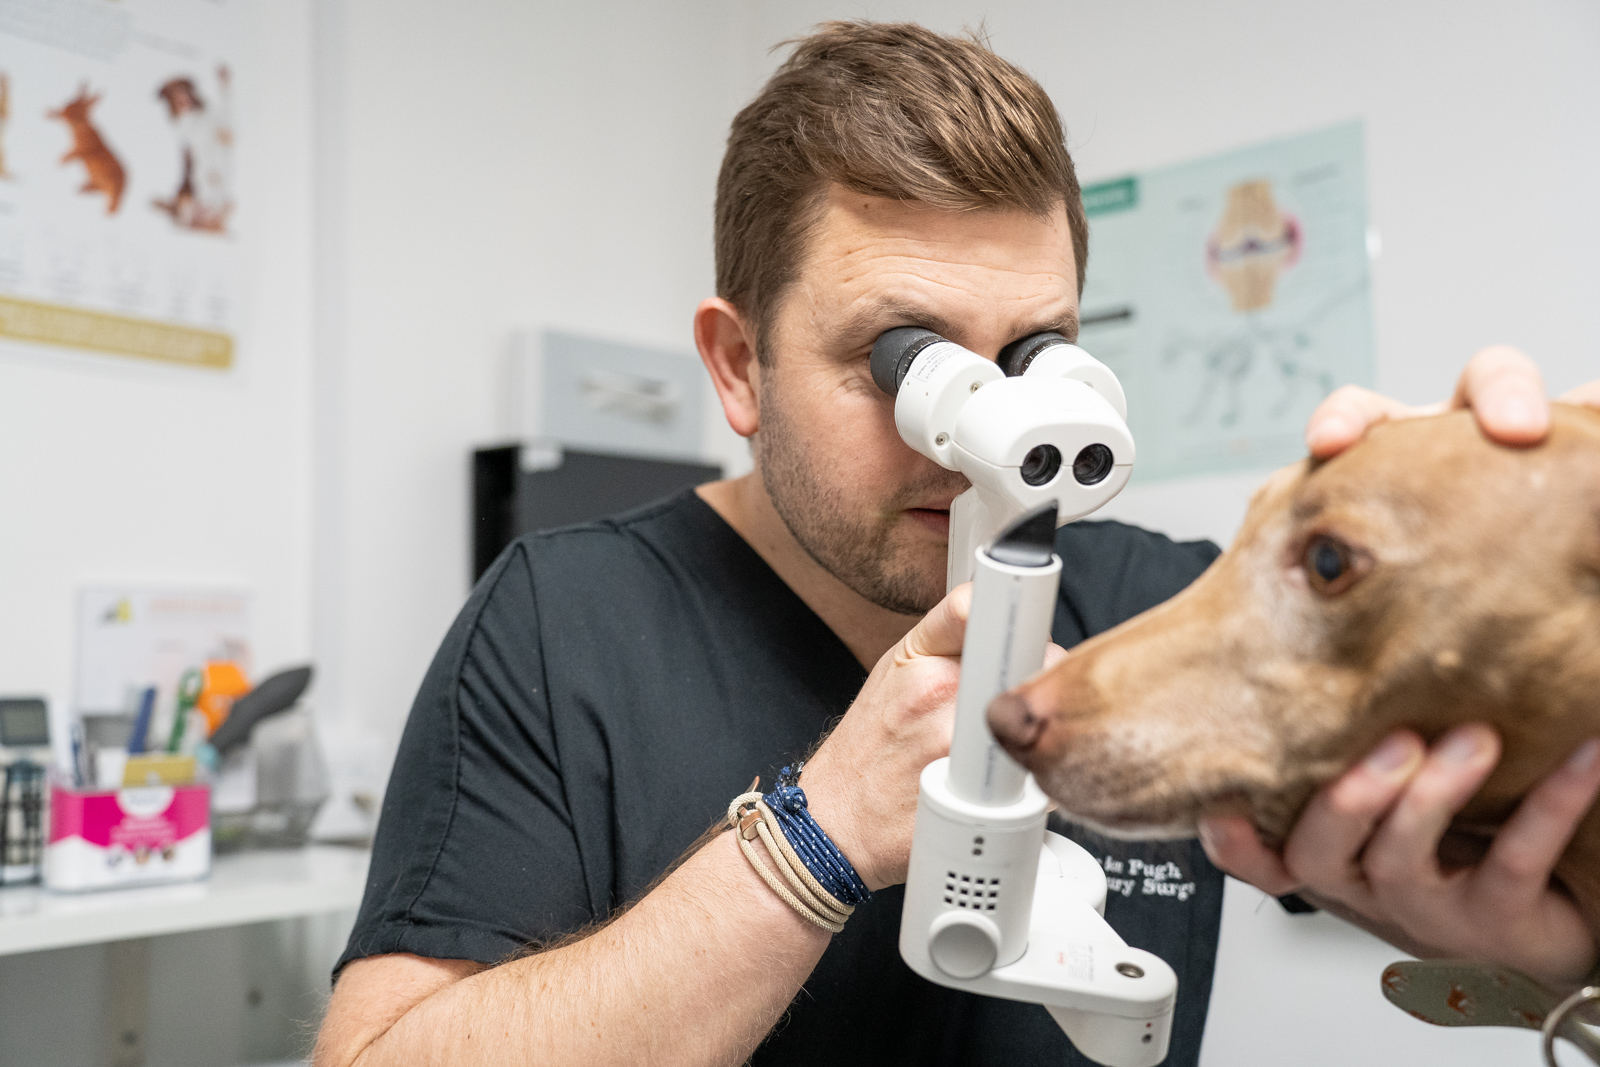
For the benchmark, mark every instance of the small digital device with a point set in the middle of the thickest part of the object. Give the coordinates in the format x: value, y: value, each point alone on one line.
x: 24, y: 723
x: 24, y: 754
x: 995, y: 903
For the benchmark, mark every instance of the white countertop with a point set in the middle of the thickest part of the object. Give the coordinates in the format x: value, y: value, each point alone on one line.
x: 244, y: 887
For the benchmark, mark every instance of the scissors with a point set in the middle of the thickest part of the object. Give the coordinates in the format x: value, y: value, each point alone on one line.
x: 190, y: 683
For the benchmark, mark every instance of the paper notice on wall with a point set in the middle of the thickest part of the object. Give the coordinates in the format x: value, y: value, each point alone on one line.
x: 132, y: 638
x: 1230, y: 295
x: 117, y: 203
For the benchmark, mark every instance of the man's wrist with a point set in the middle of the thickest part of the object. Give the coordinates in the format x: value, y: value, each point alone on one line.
x: 838, y: 820
x: 769, y: 910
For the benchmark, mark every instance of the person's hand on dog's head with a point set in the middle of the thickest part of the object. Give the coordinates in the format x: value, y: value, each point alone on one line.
x: 1500, y: 384
x: 1586, y: 395
x: 1367, y: 849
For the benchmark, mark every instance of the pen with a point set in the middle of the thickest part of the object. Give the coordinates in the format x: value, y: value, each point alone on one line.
x: 141, y: 723
x: 190, y: 685
x: 79, y: 753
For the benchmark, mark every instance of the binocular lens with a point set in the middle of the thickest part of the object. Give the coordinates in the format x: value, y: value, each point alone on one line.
x: 1041, y: 464
x: 1091, y: 466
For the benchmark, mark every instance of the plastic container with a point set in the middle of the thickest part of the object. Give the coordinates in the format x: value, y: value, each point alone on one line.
x: 108, y: 839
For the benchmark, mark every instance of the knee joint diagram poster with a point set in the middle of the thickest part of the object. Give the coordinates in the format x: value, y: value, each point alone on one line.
x: 1231, y: 295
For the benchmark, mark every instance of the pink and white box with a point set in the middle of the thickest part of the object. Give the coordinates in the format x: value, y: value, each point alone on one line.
x: 126, y: 837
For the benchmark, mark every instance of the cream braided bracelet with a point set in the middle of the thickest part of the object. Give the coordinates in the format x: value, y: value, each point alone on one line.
x: 753, y: 821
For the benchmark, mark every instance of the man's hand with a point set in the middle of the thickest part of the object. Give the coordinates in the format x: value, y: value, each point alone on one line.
x: 1367, y: 849
x: 1367, y: 846
x: 862, y: 784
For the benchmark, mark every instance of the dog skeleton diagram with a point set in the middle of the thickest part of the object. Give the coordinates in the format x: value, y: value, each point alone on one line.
x: 1228, y: 361
x: 204, y: 197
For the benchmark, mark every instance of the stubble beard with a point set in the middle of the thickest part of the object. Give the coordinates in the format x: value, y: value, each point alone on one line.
x: 869, y: 552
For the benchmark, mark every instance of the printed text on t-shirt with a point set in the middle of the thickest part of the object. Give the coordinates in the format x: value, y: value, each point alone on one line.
x: 1151, y: 879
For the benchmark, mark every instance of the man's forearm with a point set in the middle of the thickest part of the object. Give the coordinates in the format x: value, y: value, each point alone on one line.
x: 696, y: 973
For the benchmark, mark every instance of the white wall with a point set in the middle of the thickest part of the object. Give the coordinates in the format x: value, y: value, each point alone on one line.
x: 504, y: 165
x: 1483, y: 139
x: 115, y: 472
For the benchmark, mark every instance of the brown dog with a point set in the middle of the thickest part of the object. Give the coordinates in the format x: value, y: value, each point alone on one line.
x: 1424, y: 578
x: 104, y: 168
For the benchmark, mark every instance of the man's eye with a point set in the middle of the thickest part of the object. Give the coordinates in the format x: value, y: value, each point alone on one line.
x: 1329, y: 564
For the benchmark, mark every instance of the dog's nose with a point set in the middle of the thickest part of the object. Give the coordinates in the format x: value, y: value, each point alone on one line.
x: 1014, y: 723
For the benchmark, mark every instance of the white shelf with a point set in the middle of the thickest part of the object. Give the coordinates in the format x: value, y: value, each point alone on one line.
x: 245, y: 887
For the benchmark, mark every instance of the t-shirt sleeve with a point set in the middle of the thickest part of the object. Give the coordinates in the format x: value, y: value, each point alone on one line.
x: 475, y: 855
x: 1111, y: 572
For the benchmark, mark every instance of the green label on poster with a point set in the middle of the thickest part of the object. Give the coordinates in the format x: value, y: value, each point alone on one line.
x: 1106, y: 197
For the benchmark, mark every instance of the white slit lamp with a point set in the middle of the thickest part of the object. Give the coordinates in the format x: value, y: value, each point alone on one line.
x: 995, y: 903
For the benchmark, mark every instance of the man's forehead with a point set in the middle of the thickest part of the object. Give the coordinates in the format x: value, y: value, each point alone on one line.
x: 873, y: 313
x: 873, y: 263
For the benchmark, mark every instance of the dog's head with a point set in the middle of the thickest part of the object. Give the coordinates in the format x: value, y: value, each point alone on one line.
x: 1423, y: 578
x: 77, y: 109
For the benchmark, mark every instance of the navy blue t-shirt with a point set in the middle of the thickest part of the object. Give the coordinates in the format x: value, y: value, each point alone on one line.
x: 608, y: 689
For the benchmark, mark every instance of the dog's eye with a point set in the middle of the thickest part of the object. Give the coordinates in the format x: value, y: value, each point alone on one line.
x: 1329, y: 564
x: 1332, y: 567
x: 1327, y: 559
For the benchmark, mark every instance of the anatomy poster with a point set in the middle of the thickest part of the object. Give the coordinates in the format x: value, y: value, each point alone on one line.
x: 1230, y: 295
x: 117, y: 204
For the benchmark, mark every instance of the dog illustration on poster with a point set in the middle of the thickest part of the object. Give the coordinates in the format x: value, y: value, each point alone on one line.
x: 5, y: 115
x: 105, y: 172
x: 204, y: 197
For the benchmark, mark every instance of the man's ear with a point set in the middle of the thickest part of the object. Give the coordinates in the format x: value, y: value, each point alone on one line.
x: 727, y: 348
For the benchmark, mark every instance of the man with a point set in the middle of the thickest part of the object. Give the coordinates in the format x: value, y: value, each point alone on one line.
x: 607, y: 690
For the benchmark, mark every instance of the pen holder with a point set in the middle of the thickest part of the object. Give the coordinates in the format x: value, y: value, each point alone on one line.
x: 144, y: 835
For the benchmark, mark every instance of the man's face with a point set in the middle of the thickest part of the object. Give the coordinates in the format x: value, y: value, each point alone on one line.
x: 871, y: 511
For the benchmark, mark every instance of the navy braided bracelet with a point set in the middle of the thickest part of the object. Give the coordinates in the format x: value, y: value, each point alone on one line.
x: 815, y: 849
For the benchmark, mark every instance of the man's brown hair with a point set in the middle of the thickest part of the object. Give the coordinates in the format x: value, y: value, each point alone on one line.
x: 890, y: 110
